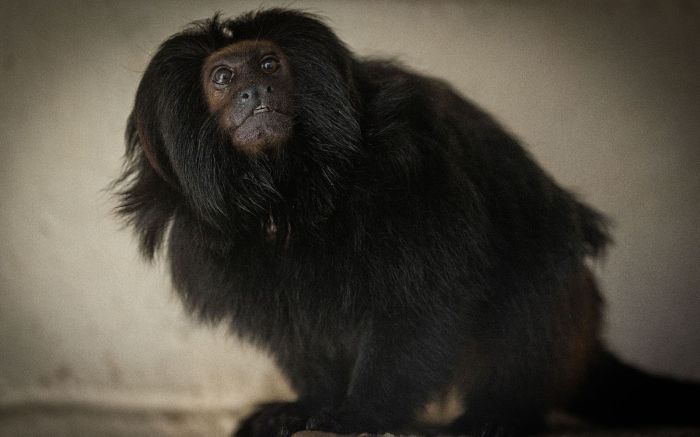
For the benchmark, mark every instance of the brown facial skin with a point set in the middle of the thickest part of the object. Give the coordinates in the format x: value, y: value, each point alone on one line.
x: 248, y: 85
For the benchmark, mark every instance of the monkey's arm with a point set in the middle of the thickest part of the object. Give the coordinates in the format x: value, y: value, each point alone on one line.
x: 400, y: 363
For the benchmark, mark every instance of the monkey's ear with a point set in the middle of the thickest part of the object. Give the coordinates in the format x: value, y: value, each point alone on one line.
x: 142, y: 138
x: 146, y: 190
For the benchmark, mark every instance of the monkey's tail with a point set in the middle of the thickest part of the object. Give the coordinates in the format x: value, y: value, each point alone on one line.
x: 615, y: 394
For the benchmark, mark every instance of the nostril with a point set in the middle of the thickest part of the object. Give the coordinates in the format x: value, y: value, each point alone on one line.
x: 245, y: 96
x: 269, y: 89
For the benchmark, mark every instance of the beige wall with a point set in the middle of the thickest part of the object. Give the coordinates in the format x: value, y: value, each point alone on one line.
x: 606, y: 95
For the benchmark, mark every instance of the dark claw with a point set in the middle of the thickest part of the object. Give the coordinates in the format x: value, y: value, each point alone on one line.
x: 281, y: 419
x: 325, y: 421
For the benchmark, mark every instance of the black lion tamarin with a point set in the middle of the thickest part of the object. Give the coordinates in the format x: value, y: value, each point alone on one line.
x: 384, y: 239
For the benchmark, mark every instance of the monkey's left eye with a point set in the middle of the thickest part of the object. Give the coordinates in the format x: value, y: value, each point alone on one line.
x: 222, y: 76
x: 269, y: 65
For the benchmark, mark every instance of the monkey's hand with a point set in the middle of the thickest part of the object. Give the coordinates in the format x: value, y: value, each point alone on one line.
x: 275, y: 419
x: 325, y: 421
x: 342, y: 421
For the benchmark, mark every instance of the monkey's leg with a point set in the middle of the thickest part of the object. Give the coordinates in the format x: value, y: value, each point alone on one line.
x: 513, y: 380
x: 498, y: 412
x: 318, y: 383
x: 532, y: 349
x: 400, y: 363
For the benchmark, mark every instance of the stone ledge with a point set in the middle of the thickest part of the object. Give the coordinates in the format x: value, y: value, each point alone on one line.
x: 71, y: 421
x: 685, y: 432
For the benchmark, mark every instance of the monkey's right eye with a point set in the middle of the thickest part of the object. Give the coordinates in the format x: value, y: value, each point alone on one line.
x: 222, y: 76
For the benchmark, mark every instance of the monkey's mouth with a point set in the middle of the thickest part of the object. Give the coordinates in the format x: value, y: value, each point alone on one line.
x: 265, y: 127
x: 260, y: 109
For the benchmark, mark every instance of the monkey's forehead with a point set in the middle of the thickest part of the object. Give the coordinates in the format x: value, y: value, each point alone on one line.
x: 244, y: 50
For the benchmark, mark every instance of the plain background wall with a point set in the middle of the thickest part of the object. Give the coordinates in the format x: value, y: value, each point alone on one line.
x: 606, y: 95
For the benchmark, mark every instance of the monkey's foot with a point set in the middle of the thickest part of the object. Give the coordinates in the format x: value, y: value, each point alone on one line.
x: 275, y: 419
x: 342, y: 421
x: 325, y: 421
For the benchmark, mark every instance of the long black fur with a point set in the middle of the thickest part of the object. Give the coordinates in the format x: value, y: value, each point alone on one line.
x: 418, y: 246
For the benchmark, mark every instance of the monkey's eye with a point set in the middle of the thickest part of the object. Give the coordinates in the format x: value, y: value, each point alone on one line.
x: 269, y: 65
x: 222, y: 76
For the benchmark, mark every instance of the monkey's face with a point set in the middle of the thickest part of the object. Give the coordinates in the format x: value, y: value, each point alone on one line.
x: 248, y: 87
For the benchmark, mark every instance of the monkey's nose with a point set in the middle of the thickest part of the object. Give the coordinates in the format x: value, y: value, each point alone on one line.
x: 249, y: 93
